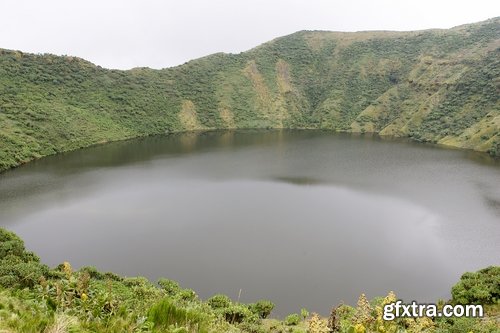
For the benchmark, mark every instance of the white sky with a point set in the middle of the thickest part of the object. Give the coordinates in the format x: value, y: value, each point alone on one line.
x: 154, y: 33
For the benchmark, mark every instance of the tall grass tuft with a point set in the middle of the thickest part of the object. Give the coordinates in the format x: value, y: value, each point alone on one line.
x: 166, y: 315
x: 62, y: 324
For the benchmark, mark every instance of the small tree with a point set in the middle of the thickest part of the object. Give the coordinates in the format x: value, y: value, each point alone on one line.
x: 262, y: 308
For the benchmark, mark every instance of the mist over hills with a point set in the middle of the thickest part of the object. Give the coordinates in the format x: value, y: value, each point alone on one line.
x: 439, y: 86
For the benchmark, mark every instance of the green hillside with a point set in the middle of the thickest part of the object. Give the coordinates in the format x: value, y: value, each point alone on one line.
x: 438, y: 86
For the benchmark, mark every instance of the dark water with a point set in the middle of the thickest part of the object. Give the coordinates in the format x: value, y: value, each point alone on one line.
x: 306, y: 219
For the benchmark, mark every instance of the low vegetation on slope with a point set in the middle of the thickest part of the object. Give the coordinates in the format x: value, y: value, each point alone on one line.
x: 437, y: 86
x: 35, y: 298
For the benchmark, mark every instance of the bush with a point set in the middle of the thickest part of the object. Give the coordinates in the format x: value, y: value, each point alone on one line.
x: 464, y: 324
x: 12, y: 245
x: 93, y: 272
x: 237, y: 314
x: 187, y: 295
x: 262, y: 308
x: 112, y: 276
x: 292, y: 319
x: 481, y: 287
x: 170, y: 286
x: 304, y: 313
x: 18, y: 268
x: 219, y: 301
x: 15, y: 273
x: 138, y: 281
x: 252, y: 327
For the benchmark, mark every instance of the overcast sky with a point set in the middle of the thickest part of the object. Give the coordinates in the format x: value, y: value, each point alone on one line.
x: 154, y: 33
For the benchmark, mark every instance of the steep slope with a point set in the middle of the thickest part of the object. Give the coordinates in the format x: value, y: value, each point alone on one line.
x: 436, y: 85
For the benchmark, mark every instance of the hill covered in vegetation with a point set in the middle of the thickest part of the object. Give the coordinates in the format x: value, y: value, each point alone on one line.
x: 438, y: 86
x: 35, y: 298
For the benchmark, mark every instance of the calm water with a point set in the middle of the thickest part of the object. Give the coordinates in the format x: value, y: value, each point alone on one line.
x: 306, y: 219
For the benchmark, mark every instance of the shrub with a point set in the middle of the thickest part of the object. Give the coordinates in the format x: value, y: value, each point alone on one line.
x: 112, y: 276
x: 481, y: 287
x: 18, y: 268
x: 251, y: 327
x: 93, y: 272
x: 237, y: 314
x: 219, y: 301
x: 262, y: 308
x: 304, y: 313
x: 12, y: 245
x: 136, y: 282
x: 170, y: 286
x: 319, y: 325
x: 292, y: 319
x: 464, y: 324
x: 187, y: 295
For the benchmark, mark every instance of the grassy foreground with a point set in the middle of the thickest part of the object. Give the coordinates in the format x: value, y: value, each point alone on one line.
x: 436, y: 86
x: 35, y: 298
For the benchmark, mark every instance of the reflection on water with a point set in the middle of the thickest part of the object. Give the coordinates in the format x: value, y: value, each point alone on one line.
x: 298, y: 180
x: 305, y: 218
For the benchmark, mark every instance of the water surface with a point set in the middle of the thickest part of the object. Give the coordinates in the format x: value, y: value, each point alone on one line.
x: 304, y: 218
